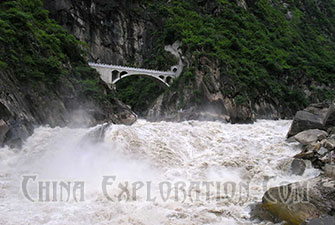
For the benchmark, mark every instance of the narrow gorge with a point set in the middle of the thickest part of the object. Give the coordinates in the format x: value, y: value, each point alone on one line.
x: 167, y: 112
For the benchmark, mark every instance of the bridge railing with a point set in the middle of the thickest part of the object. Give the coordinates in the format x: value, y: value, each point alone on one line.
x: 132, y: 69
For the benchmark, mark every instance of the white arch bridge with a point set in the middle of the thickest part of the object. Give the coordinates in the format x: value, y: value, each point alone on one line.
x: 111, y: 74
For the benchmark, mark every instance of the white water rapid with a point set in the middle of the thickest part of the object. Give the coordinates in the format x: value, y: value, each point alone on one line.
x: 241, y: 161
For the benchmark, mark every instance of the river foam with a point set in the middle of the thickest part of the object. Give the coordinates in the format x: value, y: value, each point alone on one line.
x: 215, y: 171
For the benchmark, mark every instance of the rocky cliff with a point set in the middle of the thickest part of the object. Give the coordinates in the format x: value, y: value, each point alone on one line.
x: 44, y: 78
x: 244, y: 59
x: 115, y: 31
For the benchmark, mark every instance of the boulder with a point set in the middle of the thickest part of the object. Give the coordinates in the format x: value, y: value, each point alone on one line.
x: 322, y: 151
x: 329, y: 143
x: 330, y: 170
x: 3, y: 131
x: 298, y: 166
x: 127, y: 118
x: 323, y: 220
x: 299, y: 202
x: 309, y: 136
x: 319, y: 109
x: 330, y: 116
x: 305, y: 155
x: 315, y: 146
x: 304, y: 120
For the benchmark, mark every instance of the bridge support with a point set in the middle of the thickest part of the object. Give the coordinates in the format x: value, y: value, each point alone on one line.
x: 111, y: 74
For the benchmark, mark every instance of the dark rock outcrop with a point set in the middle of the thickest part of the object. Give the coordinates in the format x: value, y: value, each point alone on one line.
x: 114, y: 32
x: 212, y: 105
x: 23, y: 107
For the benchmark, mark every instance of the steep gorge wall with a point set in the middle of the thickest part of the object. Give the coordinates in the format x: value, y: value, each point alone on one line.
x: 244, y: 60
x: 44, y: 78
x: 115, y: 31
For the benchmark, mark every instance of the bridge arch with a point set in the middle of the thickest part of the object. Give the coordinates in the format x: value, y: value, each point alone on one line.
x: 160, y: 79
x: 112, y: 73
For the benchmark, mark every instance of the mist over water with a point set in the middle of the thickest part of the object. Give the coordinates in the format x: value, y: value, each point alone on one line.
x: 192, y: 151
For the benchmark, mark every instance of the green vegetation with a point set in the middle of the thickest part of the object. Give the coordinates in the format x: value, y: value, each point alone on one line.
x: 140, y: 94
x: 262, y: 53
x: 38, y: 50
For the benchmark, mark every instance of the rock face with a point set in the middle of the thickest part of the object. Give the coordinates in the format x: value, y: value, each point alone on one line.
x: 300, y: 202
x: 316, y: 116
x: 304, y: 120
x: 22, y: 108
x: 114, y: 34
x: 117, y: 35
x: 212, y: 105
x: 120, y: 32
x: 309, y: 136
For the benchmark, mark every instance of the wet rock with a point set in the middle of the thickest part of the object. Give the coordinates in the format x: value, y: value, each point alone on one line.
x: 305, y: 155
x: 331, y: 132
x: 304, y: 120
x: 323, y: 220
x: 325, y: 160
x: 23, y: 107
x: 329, y: 143
x: 291, y: 140
x: 315, y: 146
x: 127, y: 118
x: 3, y: 131
x: 320, y: 109
x: 298, y: 166
x: 257, y: 212
x: 96, y: 134
x: 330, y: 116
x: 309, y: 136
x: 330, y: 170
x: 322, y: 152
x: 299, y: 202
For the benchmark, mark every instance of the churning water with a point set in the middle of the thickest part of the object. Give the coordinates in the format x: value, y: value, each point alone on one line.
x: 165, y: 173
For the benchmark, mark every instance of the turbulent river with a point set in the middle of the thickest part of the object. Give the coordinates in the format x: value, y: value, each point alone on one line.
x: 148, y: 173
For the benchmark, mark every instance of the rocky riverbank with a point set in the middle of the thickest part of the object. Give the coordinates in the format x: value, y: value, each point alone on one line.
x: 311, y: 201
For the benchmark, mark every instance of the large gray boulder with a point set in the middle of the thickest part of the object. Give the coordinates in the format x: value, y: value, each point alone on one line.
x: 304, y: 120
x: 309, y: 136
x: 299, y: 202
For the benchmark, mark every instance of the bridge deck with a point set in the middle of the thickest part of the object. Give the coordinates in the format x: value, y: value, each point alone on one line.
x: 140, y: 70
